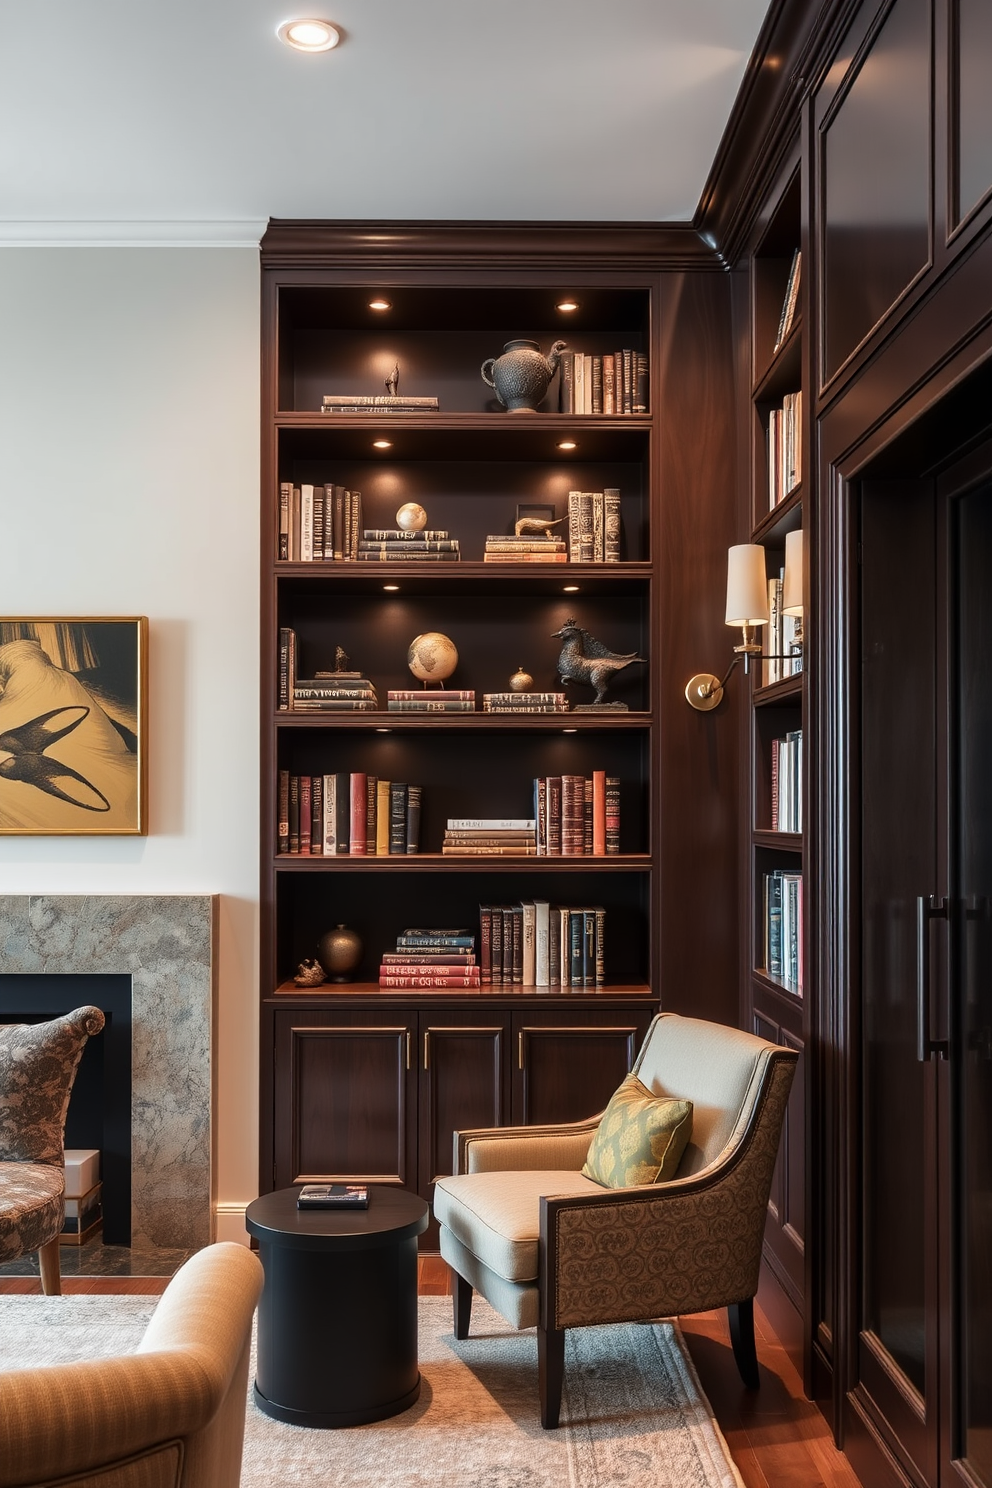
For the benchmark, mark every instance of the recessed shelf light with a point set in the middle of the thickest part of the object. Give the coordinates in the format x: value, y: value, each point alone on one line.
x: 383, y: 731
x: 380, y: 304
x: 570, y: 731
x: 566, y: 444
x: 391, y: 588
x: 382, y: 444
x: 567, y: 306
x: 570, y: 589
x: 309, y: 35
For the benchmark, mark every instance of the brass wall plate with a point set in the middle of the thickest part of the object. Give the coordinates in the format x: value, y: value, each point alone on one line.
x: 703, y: 692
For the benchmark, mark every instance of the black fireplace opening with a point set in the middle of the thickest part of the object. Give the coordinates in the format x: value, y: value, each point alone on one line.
x: 99, y: 1112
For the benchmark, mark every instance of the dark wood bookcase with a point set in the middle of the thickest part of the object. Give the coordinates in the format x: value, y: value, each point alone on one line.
x: 357, y: 1082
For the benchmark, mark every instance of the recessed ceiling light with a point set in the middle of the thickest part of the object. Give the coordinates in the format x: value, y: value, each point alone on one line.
x: 309, y: 35
x: 380, y: 304
x: 567, y: 306
x: 391, y: 588
x: 566, y: 444
x: 382, y: 444
x: 570, y: 589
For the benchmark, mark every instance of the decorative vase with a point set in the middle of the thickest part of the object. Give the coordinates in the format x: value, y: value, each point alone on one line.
x: 340, y: 951
x: 522, y: 375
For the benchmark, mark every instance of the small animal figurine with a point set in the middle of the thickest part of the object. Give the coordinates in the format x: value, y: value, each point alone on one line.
x: 584, y: 659
x: 393, y: 381
x: 309, y: 973
x: 341, y: 659
x: 534, y: 526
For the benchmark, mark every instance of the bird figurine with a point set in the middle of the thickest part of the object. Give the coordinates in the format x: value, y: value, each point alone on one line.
x: 393, y: 381
x: 584, y: 659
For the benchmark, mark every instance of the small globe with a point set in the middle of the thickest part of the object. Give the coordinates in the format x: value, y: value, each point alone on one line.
x: 432, y: 657
x: 411, y: 517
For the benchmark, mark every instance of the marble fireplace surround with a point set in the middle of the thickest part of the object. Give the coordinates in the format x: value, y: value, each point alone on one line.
x: 165, y: 944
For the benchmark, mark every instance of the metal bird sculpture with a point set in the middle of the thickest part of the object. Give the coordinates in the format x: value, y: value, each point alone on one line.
x: 584, y: 659
x: 27, y: 761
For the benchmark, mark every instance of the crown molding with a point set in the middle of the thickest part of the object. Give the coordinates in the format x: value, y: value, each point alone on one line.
x: 124, y: 234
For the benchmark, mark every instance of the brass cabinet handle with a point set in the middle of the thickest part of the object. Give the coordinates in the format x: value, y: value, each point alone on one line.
x: 409, y: 1038
x: 427, y: 1050
x: 520, y: 1050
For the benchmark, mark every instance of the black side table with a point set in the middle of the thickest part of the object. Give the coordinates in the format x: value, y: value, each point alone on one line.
x: 337, y: 1320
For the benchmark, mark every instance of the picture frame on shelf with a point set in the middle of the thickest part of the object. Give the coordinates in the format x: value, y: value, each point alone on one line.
x: 73, y: 726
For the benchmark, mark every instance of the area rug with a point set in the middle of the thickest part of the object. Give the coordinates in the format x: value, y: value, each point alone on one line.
x: 633, y: 1412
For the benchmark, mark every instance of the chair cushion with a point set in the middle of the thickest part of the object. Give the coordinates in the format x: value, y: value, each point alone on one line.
x: 37, y: 1067
x: 32, y: 1207
x: 497, y: 1216
x: 640, y: 1137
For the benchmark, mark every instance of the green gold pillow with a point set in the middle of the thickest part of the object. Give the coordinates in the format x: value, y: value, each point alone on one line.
x: 640, y: 1139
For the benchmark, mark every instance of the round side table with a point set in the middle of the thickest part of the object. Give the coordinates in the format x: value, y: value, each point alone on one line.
x: 337, y: 1319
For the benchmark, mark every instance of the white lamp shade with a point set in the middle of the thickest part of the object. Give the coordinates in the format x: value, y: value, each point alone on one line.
x: 747, y: 585
x: 792, y: 586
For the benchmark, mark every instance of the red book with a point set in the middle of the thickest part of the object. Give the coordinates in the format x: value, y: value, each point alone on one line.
x: 485, y: 942
x: 599, y: 813
x: 306, y: 821
x: 358, y: 836
x: 431, y: 958
x: 573, y: 794
x: 775, y: 753
x: 443, y: 980
x: 417, y: 968
x: 554, y: 815
x: 612, y: 814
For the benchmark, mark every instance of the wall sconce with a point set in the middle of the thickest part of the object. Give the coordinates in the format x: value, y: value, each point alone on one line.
x: 747, y: 606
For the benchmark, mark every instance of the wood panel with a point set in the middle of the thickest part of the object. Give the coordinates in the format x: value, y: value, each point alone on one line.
x: 566, y: 1072
x: 464, y: 1084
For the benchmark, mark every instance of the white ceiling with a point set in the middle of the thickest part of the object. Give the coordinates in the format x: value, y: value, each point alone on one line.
x: 188, y: 121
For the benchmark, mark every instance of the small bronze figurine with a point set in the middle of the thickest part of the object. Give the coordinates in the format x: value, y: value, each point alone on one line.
x: 309, y: 973
x: 534, y: 526
x: 393, y: 381
x: 584, y: 659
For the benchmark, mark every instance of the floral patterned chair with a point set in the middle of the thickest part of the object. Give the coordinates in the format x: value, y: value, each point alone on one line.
x: 38, y: 1063
x: 522, y: 1222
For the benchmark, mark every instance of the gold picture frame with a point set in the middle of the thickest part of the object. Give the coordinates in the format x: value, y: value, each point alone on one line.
x: 73, y: 726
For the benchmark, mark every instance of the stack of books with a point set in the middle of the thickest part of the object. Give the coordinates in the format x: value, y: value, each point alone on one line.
x: 524, y: 702
x: 778, y: 639
x: 392, y: 545
x: 577, y: 815
x: 83, y: 1205
x: 496, y: 836
x: 334, y: 692
x: 435, y: 701
x: 376, y: 403
x: 616, y: 382
x: 318, y: 523
x: 525, y: 550
x: 329, y: 815
x: 594, y: 526
x: 537, y: 944
x: 431, y: 958
x: 785, y: 452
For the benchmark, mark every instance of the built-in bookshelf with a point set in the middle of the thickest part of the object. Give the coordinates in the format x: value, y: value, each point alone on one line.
x: 336, y: 480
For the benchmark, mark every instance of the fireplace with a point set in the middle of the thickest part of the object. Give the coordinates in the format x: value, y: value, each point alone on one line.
x: 157, y: 952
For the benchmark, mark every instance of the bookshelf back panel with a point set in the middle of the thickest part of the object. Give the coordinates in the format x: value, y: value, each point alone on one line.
x: 379, y: 909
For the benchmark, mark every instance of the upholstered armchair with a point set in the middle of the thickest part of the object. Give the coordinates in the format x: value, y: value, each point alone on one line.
x: 547, y: 1246
x: 38, y: 1063
x: 171, y: 1415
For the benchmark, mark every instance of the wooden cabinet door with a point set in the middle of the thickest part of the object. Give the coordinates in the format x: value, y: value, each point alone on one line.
x: 463, y: 1083
x: 567, y: 1065
x: 345, y: 1097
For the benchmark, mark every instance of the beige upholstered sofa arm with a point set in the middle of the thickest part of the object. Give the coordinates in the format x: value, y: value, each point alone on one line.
x: 186, y: 1382
x: 519, y: 1149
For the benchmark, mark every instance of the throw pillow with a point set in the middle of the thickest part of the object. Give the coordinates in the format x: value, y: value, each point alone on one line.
x: 640, y: 1138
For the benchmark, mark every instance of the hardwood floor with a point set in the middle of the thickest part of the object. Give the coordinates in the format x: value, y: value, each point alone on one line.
x: 777, y: 1437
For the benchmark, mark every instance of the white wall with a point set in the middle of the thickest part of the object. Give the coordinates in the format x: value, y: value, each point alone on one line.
x: 129, y: 436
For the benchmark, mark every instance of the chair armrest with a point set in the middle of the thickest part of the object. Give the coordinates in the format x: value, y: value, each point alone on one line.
x: 513, y: 1149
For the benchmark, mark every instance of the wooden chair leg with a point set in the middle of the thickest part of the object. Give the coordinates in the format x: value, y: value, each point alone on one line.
x: 741, y: 1316
x: 51, y: 1272
x: 462, y: 1298
x: 551, y: 1373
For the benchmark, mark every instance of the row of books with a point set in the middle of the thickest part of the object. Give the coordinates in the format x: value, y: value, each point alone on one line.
x: 431, y: 958
x: 787, y: 782
x: 780, y: 638
x: 594, y: 526
x: 490, y: 837
x: 330, y: 815
x: 577, y: 815
x: 785, y: 448
x: 790, y: 300
x: 524, y: 702
x: 538, y: 944
x: 782, y: 905
x: 318, y: 523
x: 392, y: 545
x: 431, y: 700
x: 525, y: 550
x: 616, y: 382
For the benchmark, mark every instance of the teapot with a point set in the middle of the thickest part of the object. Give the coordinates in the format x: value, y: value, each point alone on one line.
x: 522, y: 375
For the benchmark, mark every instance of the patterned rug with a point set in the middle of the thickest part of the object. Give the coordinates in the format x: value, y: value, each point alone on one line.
x: 633, y: 1413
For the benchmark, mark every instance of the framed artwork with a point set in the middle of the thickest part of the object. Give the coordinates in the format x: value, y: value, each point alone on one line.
x: 73, y: 731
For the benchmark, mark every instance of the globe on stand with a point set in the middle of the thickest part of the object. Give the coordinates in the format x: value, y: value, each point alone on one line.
x: 411, y: 517
x: 432, y: 657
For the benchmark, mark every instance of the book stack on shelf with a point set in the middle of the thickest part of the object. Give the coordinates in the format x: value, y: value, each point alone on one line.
x: 594, y: 526
x: 787, y: 782
x: 790, y: 301
x: 490, y: 837
x: 614, y: 383
x: 524, y: 702
x: 351, y: 403
x: 431, y: 958
x: 577, y: 815
x: 324, y: 692
x: 780, y: 638
x: 531, y: 549
x: 537, y: 944
x: 318, y: 524
x: 83, y: 1189
x: 437, y: 700
x: 785, y: 454
x: 393, y: 545
x: 783, y: 928
x: 356, y: 814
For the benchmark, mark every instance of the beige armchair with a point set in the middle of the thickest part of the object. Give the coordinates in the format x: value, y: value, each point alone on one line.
x: 171, y: 1415
x: 38, y: 1063
x: 550, y: 1248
